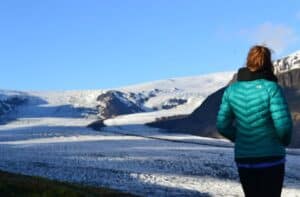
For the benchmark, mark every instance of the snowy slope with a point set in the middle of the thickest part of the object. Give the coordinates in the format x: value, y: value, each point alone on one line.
x: 193, y: 89
x: 198, y: 87
x: 157, y: 99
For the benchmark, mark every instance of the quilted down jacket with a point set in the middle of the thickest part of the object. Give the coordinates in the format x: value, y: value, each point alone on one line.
x: 255, y: 116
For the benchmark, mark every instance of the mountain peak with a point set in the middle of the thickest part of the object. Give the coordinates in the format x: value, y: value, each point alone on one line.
x: 287, y: 63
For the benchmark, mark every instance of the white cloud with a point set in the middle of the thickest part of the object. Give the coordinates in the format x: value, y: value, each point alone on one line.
x: 276, y: 36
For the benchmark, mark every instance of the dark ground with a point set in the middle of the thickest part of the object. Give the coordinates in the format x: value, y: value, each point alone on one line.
x: 20, y: 185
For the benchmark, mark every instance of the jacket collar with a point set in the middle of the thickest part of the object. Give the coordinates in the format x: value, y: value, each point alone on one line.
x: 244, y: 74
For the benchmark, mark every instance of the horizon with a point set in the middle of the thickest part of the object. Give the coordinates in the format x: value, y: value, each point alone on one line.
x: 70, y: 45
x: 119, y: 87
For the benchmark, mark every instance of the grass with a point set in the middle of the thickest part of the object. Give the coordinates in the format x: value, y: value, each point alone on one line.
x: 20, y: 185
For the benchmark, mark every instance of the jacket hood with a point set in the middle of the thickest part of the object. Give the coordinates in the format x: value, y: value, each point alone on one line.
x: 244, y: 74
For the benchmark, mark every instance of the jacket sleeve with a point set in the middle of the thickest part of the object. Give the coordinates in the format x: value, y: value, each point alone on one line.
x: 281, y: 115
x: 225, y: 118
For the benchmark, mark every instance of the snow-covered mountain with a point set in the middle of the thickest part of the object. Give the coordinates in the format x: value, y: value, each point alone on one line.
x: 171, y: 97
x: 148, y: 101
x: 287, y: 63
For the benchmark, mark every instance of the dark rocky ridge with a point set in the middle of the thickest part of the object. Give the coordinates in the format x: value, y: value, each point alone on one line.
x: 171, y: 103
x: 202, y: 120
x: 9, y: 104
x: 113, y: 103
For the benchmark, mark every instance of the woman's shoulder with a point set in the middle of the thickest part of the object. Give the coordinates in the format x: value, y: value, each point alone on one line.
x: 271, y: 86
x: 270, y: 83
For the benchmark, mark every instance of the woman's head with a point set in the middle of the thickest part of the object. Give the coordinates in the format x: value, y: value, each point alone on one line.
x: 259, y: 57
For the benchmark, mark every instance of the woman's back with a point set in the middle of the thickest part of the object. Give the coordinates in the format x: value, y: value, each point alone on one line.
x: 254, y: 105
x: 263, y: 122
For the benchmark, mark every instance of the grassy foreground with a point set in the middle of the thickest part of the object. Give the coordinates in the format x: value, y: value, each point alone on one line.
x: 20, y: 185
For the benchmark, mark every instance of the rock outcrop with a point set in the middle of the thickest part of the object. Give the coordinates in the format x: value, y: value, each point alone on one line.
x: 114, y: 103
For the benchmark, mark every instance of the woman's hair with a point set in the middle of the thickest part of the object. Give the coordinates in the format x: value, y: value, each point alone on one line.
x: 259, y: 57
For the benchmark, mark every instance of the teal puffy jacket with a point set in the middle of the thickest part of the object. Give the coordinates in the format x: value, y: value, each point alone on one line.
x: 254, y: 114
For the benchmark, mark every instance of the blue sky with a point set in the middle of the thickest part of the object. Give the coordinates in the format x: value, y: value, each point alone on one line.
x: 70, y: 44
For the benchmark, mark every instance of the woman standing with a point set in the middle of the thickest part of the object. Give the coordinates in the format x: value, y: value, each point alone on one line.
x: 255, y: 116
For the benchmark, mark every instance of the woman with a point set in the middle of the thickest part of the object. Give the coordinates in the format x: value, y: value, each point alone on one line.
x: 255, y: 116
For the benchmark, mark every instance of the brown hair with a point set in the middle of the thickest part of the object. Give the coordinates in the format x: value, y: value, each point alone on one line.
x: 259, y: 57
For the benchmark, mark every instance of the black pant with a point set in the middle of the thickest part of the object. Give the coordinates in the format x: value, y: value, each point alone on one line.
x: 262, y: 182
